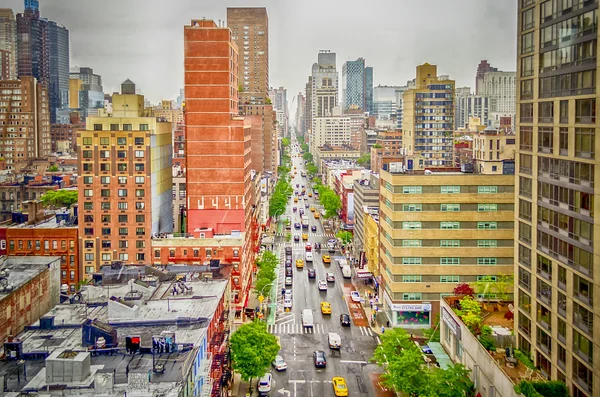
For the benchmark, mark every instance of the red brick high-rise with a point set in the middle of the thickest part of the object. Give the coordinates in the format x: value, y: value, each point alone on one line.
x: 218, y: 142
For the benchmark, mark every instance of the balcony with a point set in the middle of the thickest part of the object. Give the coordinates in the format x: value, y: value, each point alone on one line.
x: 205, y: 366
x: 207, y: 387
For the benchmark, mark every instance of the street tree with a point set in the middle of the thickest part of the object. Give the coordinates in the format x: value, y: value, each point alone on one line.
x: 285, y: 142
x: 277, y: 205
x: 345, y: 236
x: 267, y: 263
x: 308, y: 157
x: 253, y: 350
x: 406, y: 373
x: 311, y: 169
x: 364, y: 160
x: 60, y: 197
x: 330, y: 201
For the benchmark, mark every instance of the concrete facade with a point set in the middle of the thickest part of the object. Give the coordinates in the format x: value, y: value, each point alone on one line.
x: 366, y: 200
x: 8, y: 44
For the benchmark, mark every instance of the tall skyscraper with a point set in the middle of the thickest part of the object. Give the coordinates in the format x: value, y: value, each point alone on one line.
x: 482, y: 68
x: 58, y: 89
x: 428, y: 118
x: 324, y: 86
x: 300, y: 113
x: 85, y: 92
x: 250, y: 30
x: 218, y: 143
x: 126, y: 184
x: 467, y: 105
x: 8, y: 44
x: 500, y: 88
x: 27, y: 101
x: 357, y: 85
x: 280, y: 105
x: 557, y: 272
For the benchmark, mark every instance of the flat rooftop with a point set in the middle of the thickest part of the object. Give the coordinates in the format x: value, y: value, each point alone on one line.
x: 24, y: 268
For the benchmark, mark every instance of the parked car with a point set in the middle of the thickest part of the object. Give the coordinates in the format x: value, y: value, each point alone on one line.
x: 322, y: 285
x: 308, y: 247
x: 288, y: 272
x: 288, y: 262
x: 288, y: 281
x: 330, y: 277
x: 313, y: 228
x: 296, y: 237
x: 355, y: 296
x: 264, y: 383
x: 297, y: 225
x: 312, y: 273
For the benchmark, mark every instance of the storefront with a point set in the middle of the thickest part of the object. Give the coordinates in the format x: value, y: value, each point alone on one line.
x: 408, y: 315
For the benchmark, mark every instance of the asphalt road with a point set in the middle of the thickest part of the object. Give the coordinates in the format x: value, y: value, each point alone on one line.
x: 302, y: 379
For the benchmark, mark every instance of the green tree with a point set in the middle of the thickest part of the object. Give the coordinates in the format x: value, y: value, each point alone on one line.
x: 346, y: 237
x: 53, y: 168
x: 364, y: 160
x: 304, y: 147
x: 279, y: 199
x: 307, y: 156
x: 330, y: 201
x: 470, y: 313
x: 285, y: 142
x: 62, y: 197
x: 376, y: 146
x: 267, y: 263
x: 311, y: 169
x: 253, y: 350
x: 501, y: 285
x: 406, y: 373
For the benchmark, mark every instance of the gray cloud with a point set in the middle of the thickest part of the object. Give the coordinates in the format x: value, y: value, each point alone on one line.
x: 143, y: 39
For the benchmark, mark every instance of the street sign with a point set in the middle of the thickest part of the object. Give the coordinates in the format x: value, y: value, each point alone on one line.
x: 261, y: 299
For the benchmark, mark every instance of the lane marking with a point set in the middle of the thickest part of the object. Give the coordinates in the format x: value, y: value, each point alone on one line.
x: 378, y: 340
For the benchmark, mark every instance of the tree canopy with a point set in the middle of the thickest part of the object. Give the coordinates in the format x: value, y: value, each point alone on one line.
x: 253, y: 350
x: 59, y: 198
x: 285, y: 142
x: 345, y: 236
x: 53, y: 168
x: 279, y: 198
x: 266, y: 272
x: 364, y: 160
x: 405, y: 371
x: 307, y: 156
x: 330, y: 201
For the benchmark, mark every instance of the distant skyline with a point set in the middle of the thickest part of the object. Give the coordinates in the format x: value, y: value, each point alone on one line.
x: 143, y: 39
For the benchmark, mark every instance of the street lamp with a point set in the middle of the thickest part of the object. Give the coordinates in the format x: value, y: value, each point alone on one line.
x: 261, y: 297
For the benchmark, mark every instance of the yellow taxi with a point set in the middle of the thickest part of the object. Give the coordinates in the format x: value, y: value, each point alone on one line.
x: 312, y: 209
x: 299, y: 263
x: 326, y: 259
x: 294, y: 167
x: 309, y: 194
x: 317, y: 215
x: 295, y: 199
x: 304, y: 236
x: 303, y: 189
x: 340, y: 388
x: 325, y: 308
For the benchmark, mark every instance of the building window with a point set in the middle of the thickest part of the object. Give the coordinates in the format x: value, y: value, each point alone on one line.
x: 546, y: 112
x: 121, y: 154
x: 487, y: 189
x: 411, y: 243
x: 140, y: 206
x: 106, y: 244
x: 527, y: 89
x: 140, y: 256
x: 140, y: 180
x: 139, y: 154
x: 412, y: 207
x: 585, y: 111
x: 407, y: 260
x: 122, y: 192
x: 121, y: 141
x: 105, y: 192
x: 87, y: 141
x: 139, y: 193
x: 104, y: 167
x: 123, y: 218
x: 122, y: 180
x: 86, y: 154
x: 527, y: 19
x: 564, y: 112
x: 411, y: 225
x: 449, y: 243
x: 563, y: 135
x: 89, y: 257
x: 585, y: 142
x: 411, y: 279
x: 105, y: 180
x: 449, y: 225
x: 487, y: 261
x: 88, y: 192
x: 88, y: 230
x: 122, y: 167
x: 139, y: 167
x: 449, y: 207
x: 123, y: 231
x: 106, y: 257
x: 527, y: 66
x: 106, y: 231
x: 143, y: 127
x: 104, y: 141
x: 525, y: 187
x: 97, y: 127
x: 123, y: 244
x: 449, y: 261
x: 449, y: 279
x: 487, y: 225
x: 115, y: 127
x: 123, y: 257
x: 140, y: 231
x: 487, y: 243
x: 412, y: 189
x: 157, y: 254
x: 487, y: 207
x: 450, y: 189
x: 88, y: 205
x: 122, y: 205
x: 140, y: 141
x: 545, y: 139
x: 87, y: 180
x: 140, y: 244
x: 127, y: 127
x: 412, y: 296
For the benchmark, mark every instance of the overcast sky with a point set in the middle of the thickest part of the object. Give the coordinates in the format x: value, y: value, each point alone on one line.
x: 143, y: 39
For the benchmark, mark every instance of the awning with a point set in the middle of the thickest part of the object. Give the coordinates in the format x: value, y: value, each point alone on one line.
x: 363, y: 274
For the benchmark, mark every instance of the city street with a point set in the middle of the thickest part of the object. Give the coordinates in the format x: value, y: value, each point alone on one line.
x: 358, y: 341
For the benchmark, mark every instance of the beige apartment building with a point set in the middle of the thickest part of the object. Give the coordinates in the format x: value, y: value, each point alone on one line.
x: 125, y: 184
x: 557, y: 278
x: 439, y: 230
x: 492, y: 150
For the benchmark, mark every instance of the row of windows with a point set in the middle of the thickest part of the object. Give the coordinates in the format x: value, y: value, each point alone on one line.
x: 444, y: 189
x: 116, y: 127
x: 195, y: 252
x: 105, y: 154
x: 451, y: 225
x: 121, y: 180
x: 108, y: 244
x: 445, y: 207
x: 123, y: 231
x: 89, y: 167
x: 450, y: 243
x: 106, y: 192
x: 38, y: 244
x: 123, y: 256
x: 122, y: 218
x: 106, y: 205
x: 411, y: 260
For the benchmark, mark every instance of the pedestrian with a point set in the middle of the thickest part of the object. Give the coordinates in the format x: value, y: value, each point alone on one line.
x: 376, y: 299
x: 371, y: 303
x: 283, y: 292
x: 382, y: 329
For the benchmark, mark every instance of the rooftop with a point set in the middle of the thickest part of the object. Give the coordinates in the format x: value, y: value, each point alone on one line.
x: 21, y: 269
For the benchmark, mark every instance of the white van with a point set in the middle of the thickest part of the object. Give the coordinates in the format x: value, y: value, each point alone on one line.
x: 342, y: 262
x: 307, y: 318
x: 309, y: 256
x: 346, y: 272
x: 335, y: 341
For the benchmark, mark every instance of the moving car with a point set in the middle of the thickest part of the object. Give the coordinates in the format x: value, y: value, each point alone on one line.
x: 288, y: 272
x: 330, y: 277
x: 355, y: 296
x: 264, y: 383
x: 279, y: 363
x: 346, y: 272
x: 295, y: 209
x: 296, y: 225
x: 335, y: 340
x: 287, y: 303
x: 308, y: 247
x: 304, y: 236
x: 296, y: 237
x: 319, y: 359
x: 344, y: 320
x: 326, y: 259
x: 322, y: 285
x: 313, y: 228
x: 317, y: 215
x: 288, y: 294
x: 325, y: 308
x: 288, y: 281
x: 312, y: 209
x: 295, y: 199
x: 307, y: 318
x: 339, y: 386
x: 305, y: 206
x: 309, y: 256
x: 299, y: 263
x: 312, y: 273
x: 317, y: 246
